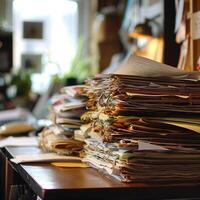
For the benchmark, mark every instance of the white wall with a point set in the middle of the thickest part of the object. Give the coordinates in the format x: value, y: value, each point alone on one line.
x: 85, y: 22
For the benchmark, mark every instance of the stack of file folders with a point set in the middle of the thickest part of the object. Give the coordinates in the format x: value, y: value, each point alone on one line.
x: 144, y: 129
x: 65, y: 111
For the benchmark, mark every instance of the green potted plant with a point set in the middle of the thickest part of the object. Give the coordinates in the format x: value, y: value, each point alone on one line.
x: 22, y: 82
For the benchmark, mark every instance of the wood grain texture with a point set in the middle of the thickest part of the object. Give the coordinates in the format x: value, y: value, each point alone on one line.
x: 50, y: 182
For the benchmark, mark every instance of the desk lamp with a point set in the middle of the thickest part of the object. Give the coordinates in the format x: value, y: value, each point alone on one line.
x: 144, y: 30
x: 153, y: 41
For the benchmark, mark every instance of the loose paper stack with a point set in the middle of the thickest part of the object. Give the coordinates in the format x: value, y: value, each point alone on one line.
x: 67, y: 107
x: 65, y: 111
x: 144, y: 129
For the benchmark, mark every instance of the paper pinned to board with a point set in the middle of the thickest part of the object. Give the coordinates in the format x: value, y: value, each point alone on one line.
x: 195, y: 25
x: 18, y: 141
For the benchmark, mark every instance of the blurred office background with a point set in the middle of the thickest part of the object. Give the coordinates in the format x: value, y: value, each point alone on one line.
x: 45, y: 44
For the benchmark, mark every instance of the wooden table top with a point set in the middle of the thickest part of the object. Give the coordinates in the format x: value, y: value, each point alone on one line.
x: 51, y: 182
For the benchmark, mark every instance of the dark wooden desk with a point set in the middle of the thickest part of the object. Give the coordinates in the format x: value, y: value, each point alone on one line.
x: 53, y: 183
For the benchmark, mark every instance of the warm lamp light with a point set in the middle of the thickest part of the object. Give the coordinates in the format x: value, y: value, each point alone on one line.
x: 144, y: 30
x: 153, y: 48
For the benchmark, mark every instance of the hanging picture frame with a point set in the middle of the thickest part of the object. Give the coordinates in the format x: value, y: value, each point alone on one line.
x: 31, y: 62
x: 33, y: 30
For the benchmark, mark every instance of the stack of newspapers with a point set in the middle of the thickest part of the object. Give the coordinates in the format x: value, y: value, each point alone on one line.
x: 65, y: 111
x: 144, y: 129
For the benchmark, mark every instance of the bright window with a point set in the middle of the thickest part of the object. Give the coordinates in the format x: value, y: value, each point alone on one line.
x: 53, y: 41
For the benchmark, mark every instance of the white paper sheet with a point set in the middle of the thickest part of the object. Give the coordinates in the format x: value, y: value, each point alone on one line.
x: 14, y: 114
x: 18, y: 141
x: 140, y: 66
x: 146, y: 146
x: 44, y: 158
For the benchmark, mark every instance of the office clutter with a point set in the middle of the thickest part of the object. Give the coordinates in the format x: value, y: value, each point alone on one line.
x: 65, y: 111
x: 140, y: 124
x: 56, y: 139
x: 144, y: 129
x: 141, y: 129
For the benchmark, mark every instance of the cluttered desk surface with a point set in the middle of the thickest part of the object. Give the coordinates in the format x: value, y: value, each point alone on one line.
x: 146, y: 131
x: 50, y: 182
